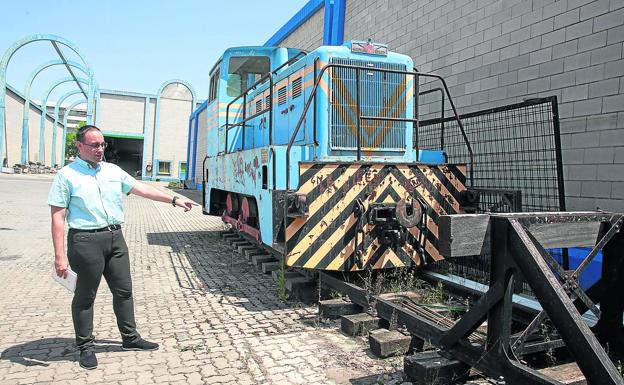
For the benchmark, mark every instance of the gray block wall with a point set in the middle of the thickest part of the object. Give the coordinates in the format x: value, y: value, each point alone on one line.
x: 497, y: 52
x: 14, y: 107
x: 309, y: 35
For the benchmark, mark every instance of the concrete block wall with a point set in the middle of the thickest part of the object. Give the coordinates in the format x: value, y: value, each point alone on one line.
x: 173, y: 132
x: 14, y: 107
x: 121, y: 113
x: 309, y: 35
x: 497, y: 52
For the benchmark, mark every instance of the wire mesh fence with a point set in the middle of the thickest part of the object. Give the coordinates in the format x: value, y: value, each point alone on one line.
x: 517, y: 163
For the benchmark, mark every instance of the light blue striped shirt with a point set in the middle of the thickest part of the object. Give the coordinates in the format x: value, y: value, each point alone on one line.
x: 92, y: 196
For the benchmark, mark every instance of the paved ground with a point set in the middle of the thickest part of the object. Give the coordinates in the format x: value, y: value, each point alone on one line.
x: 218, y: 320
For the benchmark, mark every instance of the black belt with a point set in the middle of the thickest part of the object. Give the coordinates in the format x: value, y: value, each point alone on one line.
x: 107, y: 228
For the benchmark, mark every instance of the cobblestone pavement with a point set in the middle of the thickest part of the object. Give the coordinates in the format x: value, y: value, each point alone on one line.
x: 218, y: 319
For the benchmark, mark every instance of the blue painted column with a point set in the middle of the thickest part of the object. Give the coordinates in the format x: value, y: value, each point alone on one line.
x: 65, y: 115
x: 55, y: 126
x: 145, y: 129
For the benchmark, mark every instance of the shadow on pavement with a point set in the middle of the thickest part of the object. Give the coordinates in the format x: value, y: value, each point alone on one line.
x: 202, y: 261
x: 43, y: 351
x: 194, y: 195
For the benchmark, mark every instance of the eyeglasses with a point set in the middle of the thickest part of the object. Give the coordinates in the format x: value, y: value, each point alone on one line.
x: 95, y: 146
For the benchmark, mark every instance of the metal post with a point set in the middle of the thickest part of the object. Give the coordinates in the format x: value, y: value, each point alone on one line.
x: 358, y: 113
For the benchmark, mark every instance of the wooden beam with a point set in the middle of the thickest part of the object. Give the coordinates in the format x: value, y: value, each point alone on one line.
x: 463, y: 235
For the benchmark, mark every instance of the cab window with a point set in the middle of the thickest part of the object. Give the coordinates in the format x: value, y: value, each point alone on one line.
x: 244, y: 71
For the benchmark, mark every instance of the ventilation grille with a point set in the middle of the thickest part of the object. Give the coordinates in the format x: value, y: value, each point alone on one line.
x: 296, y: 88
x: 381, y: 95
x: 281, y: 96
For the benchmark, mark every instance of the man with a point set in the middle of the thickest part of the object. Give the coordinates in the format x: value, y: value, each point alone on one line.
x: 89, y: 194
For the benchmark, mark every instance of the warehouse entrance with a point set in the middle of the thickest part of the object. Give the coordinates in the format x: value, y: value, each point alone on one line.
x: 127, y: 153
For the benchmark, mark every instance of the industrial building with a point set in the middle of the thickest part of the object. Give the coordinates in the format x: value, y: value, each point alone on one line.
x: 494, y: 53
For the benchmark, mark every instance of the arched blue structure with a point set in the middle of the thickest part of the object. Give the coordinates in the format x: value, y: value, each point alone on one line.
x: 44, y: 101
x: 3, y: 68
x: 65, y: 115
x: 25, y: 113
x: 157, y: 117
x: 55, y: 126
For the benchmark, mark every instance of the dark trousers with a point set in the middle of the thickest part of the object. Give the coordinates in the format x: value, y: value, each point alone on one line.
x: 91, y: 256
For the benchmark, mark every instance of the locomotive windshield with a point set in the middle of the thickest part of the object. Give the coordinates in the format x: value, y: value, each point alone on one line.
x: 244, y: 71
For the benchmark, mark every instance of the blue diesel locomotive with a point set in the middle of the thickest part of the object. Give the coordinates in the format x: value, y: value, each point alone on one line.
x: 314, y: 155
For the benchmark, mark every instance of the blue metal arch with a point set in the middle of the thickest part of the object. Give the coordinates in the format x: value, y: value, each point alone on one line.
x: 157, y: 117
x: 3, y: 68
x: 54, y: 128
x: 44, y: 101
x: 67, y: 111
x: 25, y: 113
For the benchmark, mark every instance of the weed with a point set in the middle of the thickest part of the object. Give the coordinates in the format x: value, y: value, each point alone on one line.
x: 404, y: 280
x: 281, y: 284
x: 433, y: 294
x: 194, y: 348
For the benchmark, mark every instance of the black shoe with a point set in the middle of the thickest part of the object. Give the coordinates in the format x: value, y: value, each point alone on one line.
x: 140, y: 344
x: 88, y: 360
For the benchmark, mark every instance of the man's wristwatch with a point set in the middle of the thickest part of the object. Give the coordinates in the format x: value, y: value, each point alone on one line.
x: 173, y: 201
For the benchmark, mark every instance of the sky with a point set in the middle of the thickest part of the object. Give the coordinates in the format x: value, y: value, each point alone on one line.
x: 136, y: 45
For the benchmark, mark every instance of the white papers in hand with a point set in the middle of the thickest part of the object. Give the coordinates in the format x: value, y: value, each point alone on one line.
x: 68, y: 282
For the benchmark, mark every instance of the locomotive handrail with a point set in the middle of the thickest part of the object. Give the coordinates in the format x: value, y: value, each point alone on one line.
x: 290, y: 61
x: 370, y: 69
x: 269, y: 108
x: 441, y: 112
x: 204, y: 182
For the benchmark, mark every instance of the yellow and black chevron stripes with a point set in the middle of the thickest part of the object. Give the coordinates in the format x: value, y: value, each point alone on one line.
x: 326, y: 238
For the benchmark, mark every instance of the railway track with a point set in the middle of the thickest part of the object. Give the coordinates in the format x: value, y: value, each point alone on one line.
x: 401, y: 323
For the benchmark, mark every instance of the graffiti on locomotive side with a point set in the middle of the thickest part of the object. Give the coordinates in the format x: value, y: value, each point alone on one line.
x: 245, y: 170
x: 326, y: 184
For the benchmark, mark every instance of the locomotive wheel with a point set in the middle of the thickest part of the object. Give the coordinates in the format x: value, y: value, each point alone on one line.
x: 231, y: 205
x: 249, y: 211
